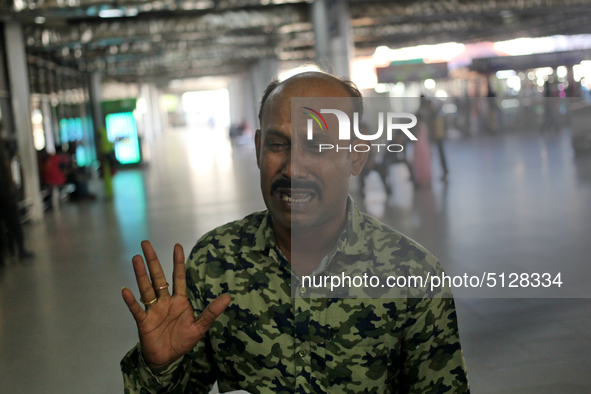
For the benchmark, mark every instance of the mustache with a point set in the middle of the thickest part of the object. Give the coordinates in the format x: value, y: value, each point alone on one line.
x: 284, y: 183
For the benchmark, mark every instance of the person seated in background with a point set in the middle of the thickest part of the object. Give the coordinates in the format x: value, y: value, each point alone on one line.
x: 78, y: 176
x: 54, y: 167
x: 239, y: 312
x: 53, y: 173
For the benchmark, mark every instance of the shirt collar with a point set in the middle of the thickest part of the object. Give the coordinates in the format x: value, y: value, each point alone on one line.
x: 354, y: 238
x: 264, y: 238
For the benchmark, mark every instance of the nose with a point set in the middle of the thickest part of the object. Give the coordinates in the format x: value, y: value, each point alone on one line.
x: 296, y: 167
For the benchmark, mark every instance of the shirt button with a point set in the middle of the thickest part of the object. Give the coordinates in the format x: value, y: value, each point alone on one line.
x: 302, y: 290
x: 302, y: 353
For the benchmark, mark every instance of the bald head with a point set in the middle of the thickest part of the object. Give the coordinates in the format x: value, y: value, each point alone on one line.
x: 310, y: 84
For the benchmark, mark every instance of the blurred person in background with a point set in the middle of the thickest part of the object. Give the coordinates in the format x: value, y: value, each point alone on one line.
x: 54, y: 168
x: 11, y: 233
x: 437, y: 136
x: 78, y: 176
x: 106, y: 150
x: 421, y: 161
x: 376, y: 163
x: 381, y: 162
x: 494, y: 115
x: 236, y: 132
x: 549, y: 122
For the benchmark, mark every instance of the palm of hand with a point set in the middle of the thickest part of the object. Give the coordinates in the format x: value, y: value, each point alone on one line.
x: 167, y: 327
x: 169, y: 331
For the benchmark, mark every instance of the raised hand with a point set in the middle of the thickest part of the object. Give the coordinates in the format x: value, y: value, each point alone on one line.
x: 167, y: 327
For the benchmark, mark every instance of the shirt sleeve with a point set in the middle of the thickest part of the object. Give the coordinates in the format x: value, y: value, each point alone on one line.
x: 138, y: 378
x: 193, y: 373
x: 432, y: 356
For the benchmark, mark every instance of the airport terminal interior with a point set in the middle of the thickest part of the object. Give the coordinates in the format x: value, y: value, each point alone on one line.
x: 128, y: 120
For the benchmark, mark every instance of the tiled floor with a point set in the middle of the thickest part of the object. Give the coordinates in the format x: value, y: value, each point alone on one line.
x: 512, y: 203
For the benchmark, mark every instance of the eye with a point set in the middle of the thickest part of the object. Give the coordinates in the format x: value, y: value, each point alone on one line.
x: 277, y: 145
x: 313, y: 147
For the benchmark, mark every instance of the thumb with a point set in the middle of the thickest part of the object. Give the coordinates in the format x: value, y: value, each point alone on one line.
x: 213, y: 311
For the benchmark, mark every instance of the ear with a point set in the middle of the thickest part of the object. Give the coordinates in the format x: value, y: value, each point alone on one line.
x: 358, y: 160
x: 257, y: 145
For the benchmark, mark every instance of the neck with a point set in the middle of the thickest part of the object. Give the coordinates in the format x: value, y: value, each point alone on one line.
x: 311, y: 244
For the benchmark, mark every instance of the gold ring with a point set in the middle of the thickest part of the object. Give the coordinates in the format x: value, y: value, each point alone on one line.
x: 150, y: 302
x: 161, y: 287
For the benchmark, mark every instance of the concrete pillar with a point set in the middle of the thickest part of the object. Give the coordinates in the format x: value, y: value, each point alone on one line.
x: 151, y: 120
x: 147, y: 120
x: 144, y: 124
x: 261, y: 74
x: 334, y: 39
x: 251, y: 104
x: 242, y: 106
x: 237, y: 103
x: 21, y: 102
x: 158, y: 113
x: 573, y: 89
x: 96, y: 99
x: 5, y: 93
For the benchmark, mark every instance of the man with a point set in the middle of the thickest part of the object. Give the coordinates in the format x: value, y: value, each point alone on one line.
x: 239, y: 323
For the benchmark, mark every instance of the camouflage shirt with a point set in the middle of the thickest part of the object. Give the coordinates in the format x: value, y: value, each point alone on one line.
x: 271, y: 342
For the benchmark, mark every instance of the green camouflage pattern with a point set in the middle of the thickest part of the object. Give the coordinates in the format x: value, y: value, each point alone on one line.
x: 270, y: 342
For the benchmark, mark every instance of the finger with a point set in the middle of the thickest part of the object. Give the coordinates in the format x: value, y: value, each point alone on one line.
x: 134, y: 307
x: 178, y: 274
x: 143, y: 280
x: 156, y: 273
x: 213, y: 311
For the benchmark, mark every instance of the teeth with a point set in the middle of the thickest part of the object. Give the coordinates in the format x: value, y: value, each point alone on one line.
x: 286, y: 197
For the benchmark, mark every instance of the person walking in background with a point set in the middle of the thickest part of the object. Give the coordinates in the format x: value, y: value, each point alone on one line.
x: 374, y: 163
x: 437, y: 136
x: 549, y: 123
x: 422, y: 150
x: 422, y: 157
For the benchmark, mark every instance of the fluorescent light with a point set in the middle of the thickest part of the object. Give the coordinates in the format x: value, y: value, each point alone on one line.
x: 298, y: 70
x: 510, y: 103
x: 441, y: 94
x: 438, y: 52
x: 40, y: 20
x: 131, y: 11
x: 111, y: 13
x: 429, y: 84
x: 382, y: 88
x: 542, y: 71
x: 449, y: 109
x: 504, y: 74
x: 363, y: 73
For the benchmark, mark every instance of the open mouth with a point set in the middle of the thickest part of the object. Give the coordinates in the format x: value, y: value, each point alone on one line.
x: 296, y: 197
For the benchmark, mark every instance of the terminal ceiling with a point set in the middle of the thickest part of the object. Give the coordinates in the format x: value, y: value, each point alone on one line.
x: 170, y: 39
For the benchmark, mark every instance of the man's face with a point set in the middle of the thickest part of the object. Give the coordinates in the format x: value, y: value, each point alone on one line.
x: 302, y: 187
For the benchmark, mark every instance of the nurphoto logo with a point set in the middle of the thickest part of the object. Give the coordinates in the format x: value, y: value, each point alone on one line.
x: 392, y: 124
